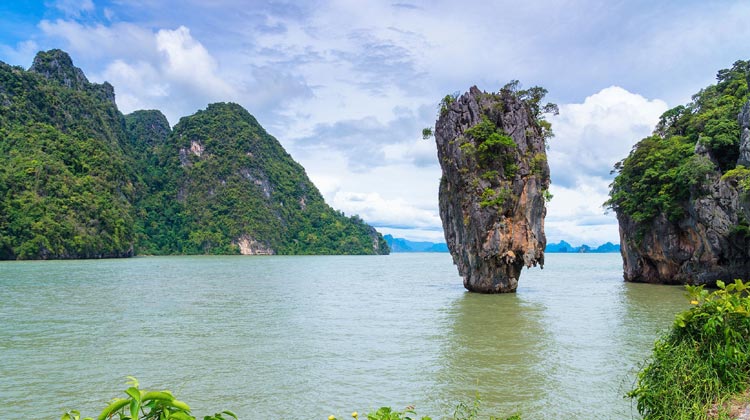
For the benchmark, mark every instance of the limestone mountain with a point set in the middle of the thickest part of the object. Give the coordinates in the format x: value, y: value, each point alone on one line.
x: 681, y: 196
x: 232, y: 186
x: 67, y: 186
x: 492, y: 151
x: 80, y: 180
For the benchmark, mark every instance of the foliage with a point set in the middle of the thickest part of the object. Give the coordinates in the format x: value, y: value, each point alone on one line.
x: 147, y: 405
x: 463, y: 411
x: 66, y: 185
x: 492, y: 142
x: 427, y: 133
x: 492, y: 198
x: 446, y: 102
x: 741, y: 175
x: 703, y: 360
x: 662, y: 172
x: 221, y: 162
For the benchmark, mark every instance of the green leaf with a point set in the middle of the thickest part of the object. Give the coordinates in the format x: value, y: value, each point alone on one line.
x: 134, y: 393
x: 135, y: 405
x: 181, y: 415
x: 112, y: 408
x: 132, y: 381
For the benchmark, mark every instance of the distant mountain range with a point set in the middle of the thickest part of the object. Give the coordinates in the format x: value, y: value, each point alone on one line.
x: 405, y: 245
x: 563, y: 246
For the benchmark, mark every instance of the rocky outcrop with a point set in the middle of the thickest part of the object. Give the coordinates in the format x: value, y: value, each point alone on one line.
x: 710, y: 242
x: 249, y: 246
x: 56, y: 65
x: 702, y: 248
x: 491, y: 148
x: 744, y: 121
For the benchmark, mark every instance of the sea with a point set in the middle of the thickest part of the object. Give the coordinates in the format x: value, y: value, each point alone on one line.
x: 305, y: 337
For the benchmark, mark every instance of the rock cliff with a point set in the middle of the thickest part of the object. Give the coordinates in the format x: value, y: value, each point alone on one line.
x: 491, y: 148
x: 681, y: 197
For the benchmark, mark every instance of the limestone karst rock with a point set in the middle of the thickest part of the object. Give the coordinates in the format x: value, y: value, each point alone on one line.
x: 491, y: 148
x: 682, y: 196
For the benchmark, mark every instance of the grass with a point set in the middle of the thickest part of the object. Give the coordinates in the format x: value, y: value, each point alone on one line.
x: 700, y: 369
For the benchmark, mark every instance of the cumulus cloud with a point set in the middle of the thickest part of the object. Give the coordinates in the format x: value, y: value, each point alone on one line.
x: 188, y: 63
x: 590, y: 137
x: 169, y: 69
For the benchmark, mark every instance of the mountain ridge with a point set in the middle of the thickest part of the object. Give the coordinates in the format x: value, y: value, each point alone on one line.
x: 78, y: 179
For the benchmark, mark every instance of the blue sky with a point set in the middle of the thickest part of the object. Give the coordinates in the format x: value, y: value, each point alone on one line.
x: 346, y: 86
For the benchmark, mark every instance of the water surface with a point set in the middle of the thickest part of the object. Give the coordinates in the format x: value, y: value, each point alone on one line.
x: 305, y: 337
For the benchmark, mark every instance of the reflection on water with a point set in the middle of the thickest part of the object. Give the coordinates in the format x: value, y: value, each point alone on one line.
x: 495, y: 348
x: 305, y: 337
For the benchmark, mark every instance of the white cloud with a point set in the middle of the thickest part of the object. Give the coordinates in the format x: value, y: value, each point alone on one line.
x: 23, y: 52
x: 188, y: 64
x: 379, y: 211
x: 590, y: 137
x: 74, y: 8
x: 168, y: 69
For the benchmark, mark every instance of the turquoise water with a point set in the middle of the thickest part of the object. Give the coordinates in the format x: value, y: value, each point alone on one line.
x: 305, y: 337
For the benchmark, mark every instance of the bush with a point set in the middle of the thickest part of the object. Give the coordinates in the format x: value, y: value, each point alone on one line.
x: 147, y: 405
x: 463, y: 411
x: 702, y: 361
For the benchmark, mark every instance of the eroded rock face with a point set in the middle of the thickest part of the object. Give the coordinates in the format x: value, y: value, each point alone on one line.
x: 706, y: 245
x: 491, y: 149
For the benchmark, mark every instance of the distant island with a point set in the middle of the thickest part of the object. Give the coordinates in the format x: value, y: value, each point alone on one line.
x: 405, y: 245
x: 564, y: 247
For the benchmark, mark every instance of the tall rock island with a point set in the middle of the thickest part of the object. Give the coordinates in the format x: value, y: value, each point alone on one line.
x: 492, y: 150
x: 682, y: 195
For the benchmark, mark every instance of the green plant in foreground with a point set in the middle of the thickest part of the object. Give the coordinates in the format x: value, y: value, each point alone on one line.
x: 703, y: 361
x: 463, y: 411
x: 147, y: 405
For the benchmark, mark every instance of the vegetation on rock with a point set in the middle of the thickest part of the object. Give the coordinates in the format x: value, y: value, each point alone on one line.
x: 663, y: 171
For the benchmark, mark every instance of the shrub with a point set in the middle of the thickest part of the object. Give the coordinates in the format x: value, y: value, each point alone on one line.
x: 703, y: 360
x: 147, y: 405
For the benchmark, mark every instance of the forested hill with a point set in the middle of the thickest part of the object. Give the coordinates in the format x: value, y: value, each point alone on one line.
x: 80, y: 180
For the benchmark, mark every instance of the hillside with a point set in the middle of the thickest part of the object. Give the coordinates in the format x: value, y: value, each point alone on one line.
x: 681, y: 196
x: 80, y: 180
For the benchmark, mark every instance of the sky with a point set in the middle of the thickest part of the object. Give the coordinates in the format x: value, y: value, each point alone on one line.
x: 347, y: 86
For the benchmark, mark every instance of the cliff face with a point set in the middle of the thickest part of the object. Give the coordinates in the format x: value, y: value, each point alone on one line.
x: 491, y: 148
x: 681, y: 197
x: 705, y: 246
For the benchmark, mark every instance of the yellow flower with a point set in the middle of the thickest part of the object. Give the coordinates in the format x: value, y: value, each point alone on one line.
x: 355, y: 414
x: 693, y: 302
